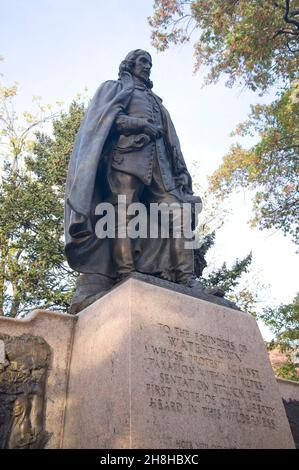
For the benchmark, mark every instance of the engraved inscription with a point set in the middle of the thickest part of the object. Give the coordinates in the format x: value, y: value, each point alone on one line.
x: 184, y: 444
x: 199, y: 374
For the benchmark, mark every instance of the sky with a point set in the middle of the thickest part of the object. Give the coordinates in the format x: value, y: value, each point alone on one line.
x: 57, y: 48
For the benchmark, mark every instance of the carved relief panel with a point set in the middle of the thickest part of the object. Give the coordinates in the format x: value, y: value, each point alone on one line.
x: 24, y: 362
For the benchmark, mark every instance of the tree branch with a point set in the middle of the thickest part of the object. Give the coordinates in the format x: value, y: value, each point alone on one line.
x: 286, y: 31
x: 287, y: 13
x: 289, y: 19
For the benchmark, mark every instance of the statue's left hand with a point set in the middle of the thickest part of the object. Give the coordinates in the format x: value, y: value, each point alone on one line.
x: 182, y: 180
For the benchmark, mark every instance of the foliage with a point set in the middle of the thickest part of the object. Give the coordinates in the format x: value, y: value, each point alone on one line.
x: 288, y: 370
x: 284, y: 322
x: 229, y: 281
x: 270, y: 166
x: 246, y: 298
x: 252, y: 42
x: 16, y: 132
x: 255, y: 43
x: 33, y: 271
x: 226, y: 280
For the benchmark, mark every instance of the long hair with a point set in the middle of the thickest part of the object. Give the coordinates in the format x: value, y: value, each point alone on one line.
x: 128, y: 64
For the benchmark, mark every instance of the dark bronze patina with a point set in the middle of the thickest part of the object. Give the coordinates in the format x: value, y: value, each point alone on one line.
x: 127, y: 145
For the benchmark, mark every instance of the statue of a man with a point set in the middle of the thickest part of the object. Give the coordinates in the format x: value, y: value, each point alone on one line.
x: 126, y: 145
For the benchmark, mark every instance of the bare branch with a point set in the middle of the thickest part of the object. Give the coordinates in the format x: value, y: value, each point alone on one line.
x: 174, y: 23
x: 287, y: 13
x: 286, y: 31
x: 288, y: 18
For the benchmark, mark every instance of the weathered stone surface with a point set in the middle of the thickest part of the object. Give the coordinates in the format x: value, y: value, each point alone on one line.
x: 153, y: 368
x: 289, y: 391
x: 2, y: 352
x: 36, y: 359
x: 23, y: 375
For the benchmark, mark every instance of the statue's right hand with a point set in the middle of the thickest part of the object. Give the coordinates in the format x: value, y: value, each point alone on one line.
x: 153, y: 131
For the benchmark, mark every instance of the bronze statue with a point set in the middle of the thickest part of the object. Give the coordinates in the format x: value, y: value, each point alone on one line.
x: 126, y: 145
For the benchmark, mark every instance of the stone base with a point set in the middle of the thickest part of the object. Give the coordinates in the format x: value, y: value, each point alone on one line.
x: 144, y: 366
x: 40, y: 401
x: 154, y: 368
x: 289, y: 391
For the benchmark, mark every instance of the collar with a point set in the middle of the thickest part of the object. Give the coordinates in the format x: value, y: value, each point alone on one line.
x: 140, y: 85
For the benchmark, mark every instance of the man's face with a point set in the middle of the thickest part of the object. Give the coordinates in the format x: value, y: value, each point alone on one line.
x: 142, y: 68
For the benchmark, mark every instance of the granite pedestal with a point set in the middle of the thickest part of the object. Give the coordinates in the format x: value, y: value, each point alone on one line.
x: 144, y: 366
x: 154, y: 368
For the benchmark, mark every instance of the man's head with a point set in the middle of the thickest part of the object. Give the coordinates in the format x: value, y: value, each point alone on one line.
x: 139, y: 64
